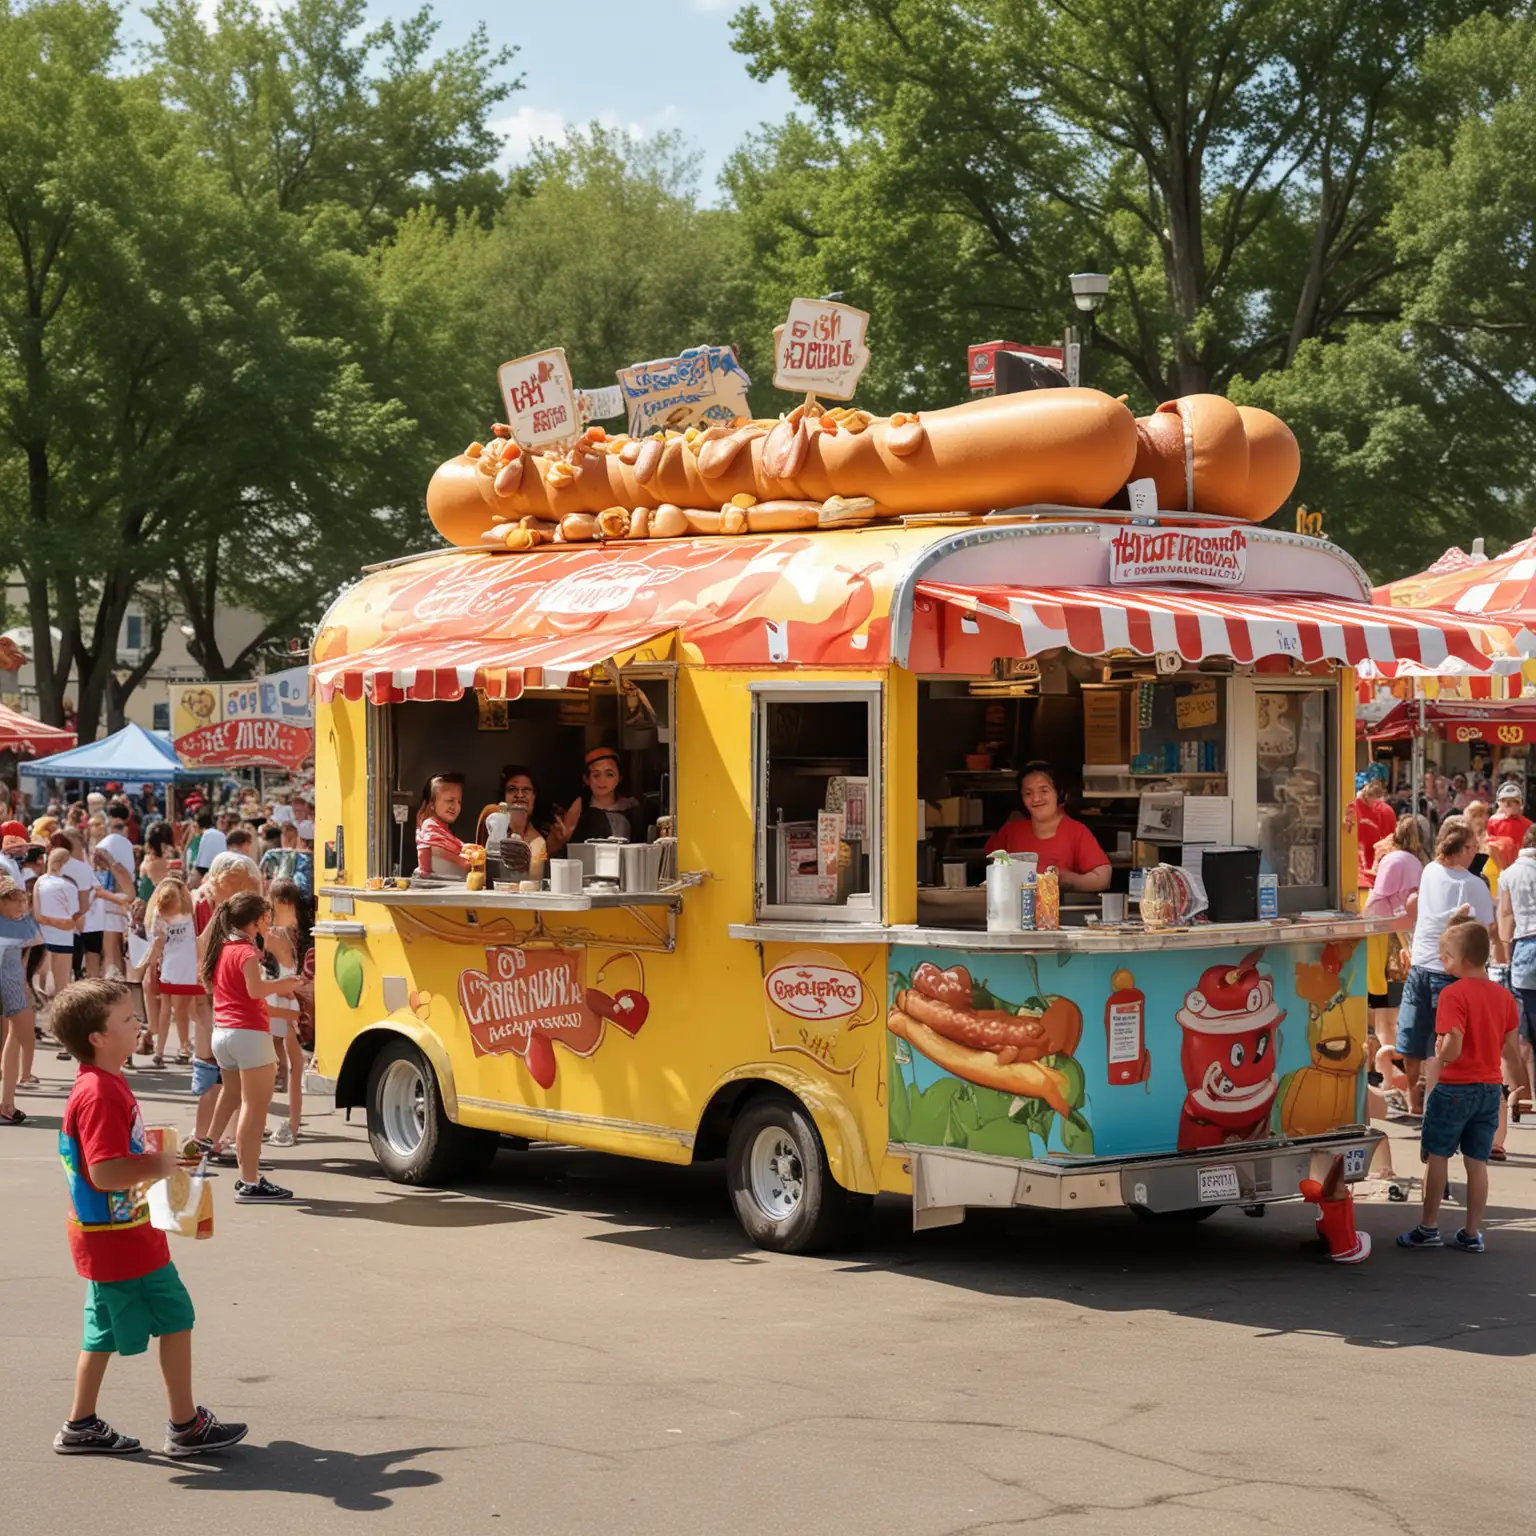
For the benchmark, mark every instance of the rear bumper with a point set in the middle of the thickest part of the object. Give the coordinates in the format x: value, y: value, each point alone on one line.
x: 946, y: 1182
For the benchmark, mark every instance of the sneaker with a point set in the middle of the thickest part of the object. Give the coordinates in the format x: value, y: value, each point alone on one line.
x: 95, y: 1437
x: 283, y: 1136
x: 262, y: 1192
x: 204, y: 1433
x: 1420, y: 1237
x: 1467, y: 1242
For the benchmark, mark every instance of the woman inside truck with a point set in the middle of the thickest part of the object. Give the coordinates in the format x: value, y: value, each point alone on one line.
x: 603, y: 807
x: 520, y: 795
x: 1046, y: 830
x: 439, y: 853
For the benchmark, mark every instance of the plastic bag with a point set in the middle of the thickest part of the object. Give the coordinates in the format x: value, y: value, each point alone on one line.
x: 183, y: 1203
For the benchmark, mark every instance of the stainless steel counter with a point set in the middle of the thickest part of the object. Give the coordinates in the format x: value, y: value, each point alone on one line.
x: 517, y: 901
x: 1094, y: 940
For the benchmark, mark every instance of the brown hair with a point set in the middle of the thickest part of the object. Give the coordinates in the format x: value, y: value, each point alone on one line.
x: 1455, y: 837
x: 80, y: 1011
x: 241, y: 910
x: 1465, y: 939
x: 1408, y: 837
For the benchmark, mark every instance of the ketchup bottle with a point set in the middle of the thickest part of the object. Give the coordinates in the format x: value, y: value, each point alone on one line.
x: 1125, y: 1031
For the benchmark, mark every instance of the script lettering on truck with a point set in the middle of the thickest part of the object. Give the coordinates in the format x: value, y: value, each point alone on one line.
x: 1149, y: 556
x: 815, y: 991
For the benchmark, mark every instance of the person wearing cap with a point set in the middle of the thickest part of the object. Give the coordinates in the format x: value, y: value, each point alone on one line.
x: 1510, y: 819
x: 13, y: 843
x: 1375, y: 819
x: 602, y: 809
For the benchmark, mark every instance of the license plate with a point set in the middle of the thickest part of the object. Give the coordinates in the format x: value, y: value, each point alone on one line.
x: 1219, y: 1183
x: 1354, y: 1162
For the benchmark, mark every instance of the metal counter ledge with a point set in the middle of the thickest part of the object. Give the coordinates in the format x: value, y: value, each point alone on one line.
x: 1085, y: 940
x: 526, y: 901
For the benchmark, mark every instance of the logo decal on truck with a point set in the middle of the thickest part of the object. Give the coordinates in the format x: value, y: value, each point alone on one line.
x: 818, y: 1005
x: 526, y: 1001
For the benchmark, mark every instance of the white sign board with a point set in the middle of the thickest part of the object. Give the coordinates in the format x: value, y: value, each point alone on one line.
x: 700, y: 386
x: 600, y: 404
x: 1181, y: 556
x: 820, y: 349
x: 539, y: 399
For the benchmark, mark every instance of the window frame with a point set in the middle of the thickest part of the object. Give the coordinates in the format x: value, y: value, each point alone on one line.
x: 868, y: 907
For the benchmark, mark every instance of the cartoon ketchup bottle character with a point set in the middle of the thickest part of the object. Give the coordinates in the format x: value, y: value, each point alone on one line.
x: 1125, y: 1029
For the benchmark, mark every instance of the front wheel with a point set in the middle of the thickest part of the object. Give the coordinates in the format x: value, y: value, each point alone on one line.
x: 781, y: 1187
x: 411, y: 1135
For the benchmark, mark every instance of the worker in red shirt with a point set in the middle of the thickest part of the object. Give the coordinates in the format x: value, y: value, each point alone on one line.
x: 1374, y: 820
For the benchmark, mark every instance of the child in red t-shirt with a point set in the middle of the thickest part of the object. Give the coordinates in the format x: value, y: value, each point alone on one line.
x: 132, y: 1288
x: 1475, y: 1029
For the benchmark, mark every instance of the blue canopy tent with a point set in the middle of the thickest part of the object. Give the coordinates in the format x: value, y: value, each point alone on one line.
x: 132, y: 756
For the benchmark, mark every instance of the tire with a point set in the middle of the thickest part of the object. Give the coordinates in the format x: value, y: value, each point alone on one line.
x: 781, y: 1187
x: 411, y: 1135
x: 1185, y: 1218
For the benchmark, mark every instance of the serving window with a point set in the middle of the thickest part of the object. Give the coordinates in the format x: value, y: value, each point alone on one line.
x: 817, y: 802
x: 1159, y: 764
x: 547, y: 732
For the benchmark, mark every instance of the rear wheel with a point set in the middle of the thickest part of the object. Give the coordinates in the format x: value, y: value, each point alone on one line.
x: 411, y: 1135
x: 781, y: 1187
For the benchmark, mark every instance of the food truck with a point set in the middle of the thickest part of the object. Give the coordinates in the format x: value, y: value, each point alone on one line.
x: 818, y: 721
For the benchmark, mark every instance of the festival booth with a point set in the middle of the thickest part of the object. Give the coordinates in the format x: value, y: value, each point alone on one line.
x: 820, y: 650
x: 131, y: 756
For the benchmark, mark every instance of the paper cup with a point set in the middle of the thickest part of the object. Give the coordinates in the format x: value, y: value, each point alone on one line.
x: 565, y: 877
x: 1112, y: 907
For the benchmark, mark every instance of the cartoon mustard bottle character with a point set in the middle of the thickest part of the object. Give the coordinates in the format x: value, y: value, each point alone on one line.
x: 1125, y: 1028
x: 1231, y: 1040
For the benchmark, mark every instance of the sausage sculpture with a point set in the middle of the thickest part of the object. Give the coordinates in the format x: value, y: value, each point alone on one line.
x: 817, y: 468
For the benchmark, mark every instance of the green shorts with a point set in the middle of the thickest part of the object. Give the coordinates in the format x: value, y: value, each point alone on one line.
x: 120, y: 1315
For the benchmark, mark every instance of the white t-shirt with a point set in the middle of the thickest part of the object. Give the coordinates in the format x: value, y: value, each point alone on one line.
x: 84, y: 878
x: 57, y: 897
x: 120, y: 851
x: 1520, y: 881
x: 209, y: 846
x: 1441, y: 892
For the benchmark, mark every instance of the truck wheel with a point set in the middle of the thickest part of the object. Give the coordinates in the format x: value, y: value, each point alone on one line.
x: 784, y: 1194
x: 413, y: 1139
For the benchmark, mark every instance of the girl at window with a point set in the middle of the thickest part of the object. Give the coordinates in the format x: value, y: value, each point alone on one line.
x: 438, y: 852
x: 603, y: 808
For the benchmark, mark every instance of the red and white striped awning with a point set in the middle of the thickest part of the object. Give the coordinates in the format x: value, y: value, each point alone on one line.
x: 963, y: 628
x: 408, y: 668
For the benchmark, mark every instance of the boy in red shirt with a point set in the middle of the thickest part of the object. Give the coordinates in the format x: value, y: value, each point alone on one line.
x: 1475, y: 1029
x: 132, y: 1288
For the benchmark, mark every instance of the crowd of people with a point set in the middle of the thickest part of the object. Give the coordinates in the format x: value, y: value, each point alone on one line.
x: 204, y: 921
x: 1452, y: 990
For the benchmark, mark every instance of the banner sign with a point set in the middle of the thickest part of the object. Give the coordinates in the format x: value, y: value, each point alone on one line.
x: 246, y: 744
x: 539, y: 398
x: 1149, y: 557
x: 820, y: 349
x: 701, y: 386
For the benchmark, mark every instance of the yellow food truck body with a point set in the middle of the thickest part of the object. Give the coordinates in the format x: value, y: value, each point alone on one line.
x: 804, y: 982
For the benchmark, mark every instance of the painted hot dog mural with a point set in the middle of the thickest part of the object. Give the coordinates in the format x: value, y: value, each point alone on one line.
x: 828, y: 467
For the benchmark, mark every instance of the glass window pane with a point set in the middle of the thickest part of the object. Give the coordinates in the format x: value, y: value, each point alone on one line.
x: 1292, y: 767
x: 819, y: 803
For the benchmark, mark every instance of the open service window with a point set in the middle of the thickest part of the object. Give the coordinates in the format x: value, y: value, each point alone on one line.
x: 544, y: 736
x: 816, y: 801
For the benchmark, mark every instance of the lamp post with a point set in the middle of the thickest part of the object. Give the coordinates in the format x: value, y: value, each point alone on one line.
x: 1089, y: 290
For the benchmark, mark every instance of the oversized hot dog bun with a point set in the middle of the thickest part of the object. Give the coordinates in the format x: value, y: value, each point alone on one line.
x: 1074, y: 446
x: 1240, y: 461
x: 1026, y: 1079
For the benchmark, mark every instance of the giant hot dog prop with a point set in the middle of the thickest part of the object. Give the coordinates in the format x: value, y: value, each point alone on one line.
x: 823, y: 468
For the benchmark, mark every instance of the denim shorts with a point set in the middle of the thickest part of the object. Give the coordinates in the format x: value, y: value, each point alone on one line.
x: 1461, y: 1117
x: 205, y: 1075
x: 1416, y: 1018
x: 1526, y: 997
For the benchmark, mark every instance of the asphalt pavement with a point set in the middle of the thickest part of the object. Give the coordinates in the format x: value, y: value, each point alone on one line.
x: 583, y: 1344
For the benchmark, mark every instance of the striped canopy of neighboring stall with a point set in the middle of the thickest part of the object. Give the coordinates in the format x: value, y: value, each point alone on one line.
x: 962, y: 628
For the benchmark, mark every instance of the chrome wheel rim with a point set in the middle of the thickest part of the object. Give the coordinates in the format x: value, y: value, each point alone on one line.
x: 403, y: 1108
x: 776, y: 1173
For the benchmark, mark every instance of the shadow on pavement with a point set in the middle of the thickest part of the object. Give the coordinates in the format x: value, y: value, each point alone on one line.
x: 342, y: 1478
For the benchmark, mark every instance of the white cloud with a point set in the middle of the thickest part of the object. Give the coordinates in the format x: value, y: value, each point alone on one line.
x: 529, y: 124
x: 525, y: 126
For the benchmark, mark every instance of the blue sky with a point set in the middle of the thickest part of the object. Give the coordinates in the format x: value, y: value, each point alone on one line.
x: 643, y: 67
